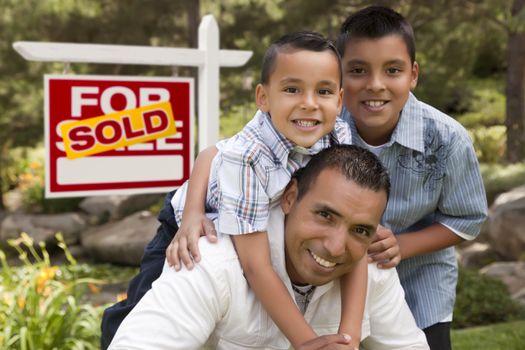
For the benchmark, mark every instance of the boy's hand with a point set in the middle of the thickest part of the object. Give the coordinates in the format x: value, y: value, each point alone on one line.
x: 328, y: 342
x: 184, y: 246
x: 384, y: 249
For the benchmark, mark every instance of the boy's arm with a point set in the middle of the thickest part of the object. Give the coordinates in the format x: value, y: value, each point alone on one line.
x: 184, y: 245
x: 353, y: 296
x: 389, y: 249
x: 254, y: 254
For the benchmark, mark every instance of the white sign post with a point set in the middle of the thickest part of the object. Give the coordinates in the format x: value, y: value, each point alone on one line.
x: 207, y: 57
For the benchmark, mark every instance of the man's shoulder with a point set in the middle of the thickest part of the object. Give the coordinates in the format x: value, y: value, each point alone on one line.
x: 217, y: 252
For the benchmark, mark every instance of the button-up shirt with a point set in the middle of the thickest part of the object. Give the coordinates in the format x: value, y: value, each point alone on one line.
x: 435, y: 178
x: 214, y: 304
x: 250, y: 171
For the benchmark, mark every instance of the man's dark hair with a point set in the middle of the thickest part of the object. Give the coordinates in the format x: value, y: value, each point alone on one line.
x: 355, y: 163
x: 306, y: 40
x: 375, y: 22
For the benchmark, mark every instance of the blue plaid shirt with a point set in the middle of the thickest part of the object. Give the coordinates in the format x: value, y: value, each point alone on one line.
x: 435, y: 178
x: 250, y: 171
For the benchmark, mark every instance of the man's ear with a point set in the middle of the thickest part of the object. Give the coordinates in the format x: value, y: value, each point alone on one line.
x: 289, y: 197
x: 415, y: 75
x: 261, y: 98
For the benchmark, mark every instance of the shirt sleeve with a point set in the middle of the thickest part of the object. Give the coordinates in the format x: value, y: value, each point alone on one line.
x: 392, y: 325
x: 242, y: 186
x: 463, y: 203
x: 179, y: 312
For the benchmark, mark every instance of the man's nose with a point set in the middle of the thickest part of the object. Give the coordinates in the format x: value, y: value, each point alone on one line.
x: 336, y: 241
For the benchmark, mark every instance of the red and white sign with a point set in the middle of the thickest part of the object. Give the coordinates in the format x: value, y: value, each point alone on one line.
x: 158, y: 165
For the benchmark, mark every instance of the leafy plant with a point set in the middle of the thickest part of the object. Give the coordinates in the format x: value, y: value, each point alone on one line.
x: 40, y: 303
x: 483, y: 300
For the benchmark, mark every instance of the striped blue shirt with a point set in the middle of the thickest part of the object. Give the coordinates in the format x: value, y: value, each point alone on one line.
x: 435, y: 179
x: 250, y: 172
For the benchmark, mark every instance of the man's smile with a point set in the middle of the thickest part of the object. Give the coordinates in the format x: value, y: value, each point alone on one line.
x: 321, y: 261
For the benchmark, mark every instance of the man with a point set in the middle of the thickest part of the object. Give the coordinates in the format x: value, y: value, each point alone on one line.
x: 328, y: 215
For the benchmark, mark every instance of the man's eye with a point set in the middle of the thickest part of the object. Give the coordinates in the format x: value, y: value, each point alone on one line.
x: 324, y: 214
x: 362, y: 231
x: 291, y: 90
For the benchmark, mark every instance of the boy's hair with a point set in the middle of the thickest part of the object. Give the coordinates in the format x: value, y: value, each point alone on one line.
x: 355, y: 163
x: 375, y: 22
x: 305, y: 40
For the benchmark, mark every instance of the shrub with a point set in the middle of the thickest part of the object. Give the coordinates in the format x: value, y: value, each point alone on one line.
x: 40, y: 304
x: 483, y: 300
x: 489, y: 142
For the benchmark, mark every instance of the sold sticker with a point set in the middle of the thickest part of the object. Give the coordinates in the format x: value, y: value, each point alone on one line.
x: 120, y: 129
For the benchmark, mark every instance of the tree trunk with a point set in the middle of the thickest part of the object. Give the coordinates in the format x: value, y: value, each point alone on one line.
x: 515, y: 91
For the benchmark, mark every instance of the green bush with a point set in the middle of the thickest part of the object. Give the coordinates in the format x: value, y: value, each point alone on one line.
x: 489, y: 142
x: 485, y: 107
x: 41, y: 304
x: 483, y: 300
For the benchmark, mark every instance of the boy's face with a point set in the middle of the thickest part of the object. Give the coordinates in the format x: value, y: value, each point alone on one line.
x: 377, y: 78
x: 303, y: 95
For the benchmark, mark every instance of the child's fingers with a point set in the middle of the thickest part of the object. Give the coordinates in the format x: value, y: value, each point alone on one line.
x: 184, y: 254
x: 172, y: 255
x: 193, y: 247
x: 209, y: 231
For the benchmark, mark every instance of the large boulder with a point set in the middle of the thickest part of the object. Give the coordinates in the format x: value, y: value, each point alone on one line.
x: 121, y: 242
x: 42, y: 227
x: 505, y: 225
x: 476, y: 255
x: 105, y: 208
x: 512, y: 273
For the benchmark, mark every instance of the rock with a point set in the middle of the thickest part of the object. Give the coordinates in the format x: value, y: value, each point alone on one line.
x: 510, y: 273
x: 116, y: 207
x: 477, y: 255
x: 519, y: 296
x: 42, y: 227
x: 121, y: 242
x: 505, y: 224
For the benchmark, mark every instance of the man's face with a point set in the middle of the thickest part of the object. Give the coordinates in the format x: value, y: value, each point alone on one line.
x: 330, y: 228
x: 303, y: 95
x: 377, y: 78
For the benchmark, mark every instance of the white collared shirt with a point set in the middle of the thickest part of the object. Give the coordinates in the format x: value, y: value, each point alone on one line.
x: 213, y: 304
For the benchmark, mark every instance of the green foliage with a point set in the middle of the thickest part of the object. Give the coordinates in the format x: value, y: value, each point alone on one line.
x: 483, y: 300
x: 41, y: 307
x: 499, y: 178
x: 489, y: 143
x: 504, y: 336
x: 485, y: 106
x: 233, y: 120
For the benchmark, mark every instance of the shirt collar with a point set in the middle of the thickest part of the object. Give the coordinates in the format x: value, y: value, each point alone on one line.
x: 409, y: 130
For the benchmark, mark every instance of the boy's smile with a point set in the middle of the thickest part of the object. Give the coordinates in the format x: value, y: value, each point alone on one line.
x: 378, y: 76
x: 303, y: 96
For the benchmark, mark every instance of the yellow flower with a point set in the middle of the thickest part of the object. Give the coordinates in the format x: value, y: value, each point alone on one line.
x: 45, y: 275
x: 21, y: 302
x: 35, y: 165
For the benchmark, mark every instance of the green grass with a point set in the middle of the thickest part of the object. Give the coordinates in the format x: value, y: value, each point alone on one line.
x: 502, y: 336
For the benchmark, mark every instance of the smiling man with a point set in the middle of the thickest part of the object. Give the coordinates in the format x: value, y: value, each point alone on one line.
x: 328, y: 215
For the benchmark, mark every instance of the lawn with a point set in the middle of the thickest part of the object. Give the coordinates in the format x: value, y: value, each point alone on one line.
x: 502, y: 336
